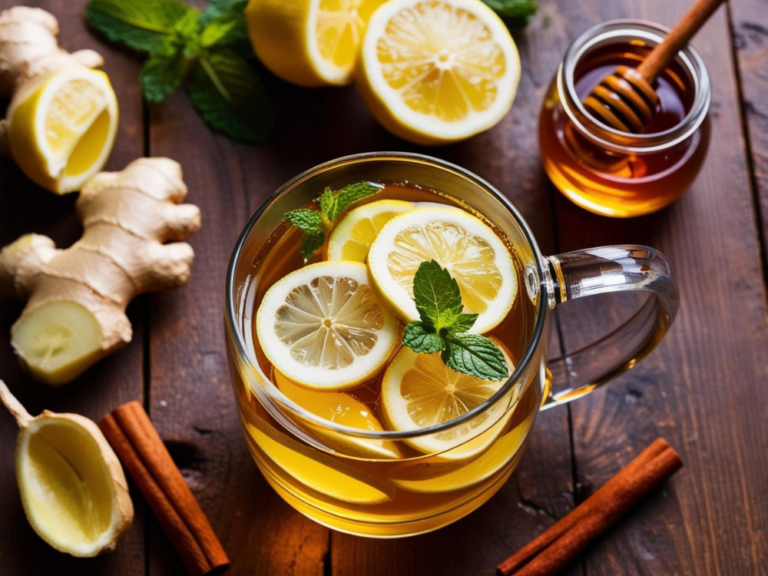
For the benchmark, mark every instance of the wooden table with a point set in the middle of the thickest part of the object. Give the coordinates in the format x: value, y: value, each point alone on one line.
x: 704, y: 389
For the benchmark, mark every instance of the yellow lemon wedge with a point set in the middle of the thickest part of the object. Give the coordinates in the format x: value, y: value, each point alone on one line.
x: 353, y: 236
x: 317, y: 470
x: 324, y: 328
x: 309, y: 42
x: 419, y: 391
x: 438, y: 71
x: 473, y: 254
x: 61, y: 128
x: 342, y: 409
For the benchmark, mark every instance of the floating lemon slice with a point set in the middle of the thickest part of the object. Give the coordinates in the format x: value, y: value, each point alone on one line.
x: 62, y: 127
x: 323, y: 327
x: 352, y: 237
x: 319, y: 471
x: 342, y: 409
x: 419, y: 391
x: 309, y: 42
x: 438, y: 71
x: 473, y: 254
x: 499, y: 453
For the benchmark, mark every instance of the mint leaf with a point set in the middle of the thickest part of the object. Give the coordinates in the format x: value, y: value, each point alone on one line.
x: 515, y: 13
x: 230, y: 96
x: 333, y: 204
x: 224, y: 24
x: 311, y: 225
x: 474, y: 355
x: 161, y: 75
x: 421, y: 337
x: 144, y: 25
x: 464, y: 322
x: 437, y: 295
x: 310, y: 242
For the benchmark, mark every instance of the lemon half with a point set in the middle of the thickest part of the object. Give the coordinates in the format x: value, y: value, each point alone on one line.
x: 473, y: 254
x: 61, y: 128
x: 309, y: 42
x: 438, y: 71
x: 324, y: 328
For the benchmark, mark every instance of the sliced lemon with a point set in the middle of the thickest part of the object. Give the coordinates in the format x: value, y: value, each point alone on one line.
x: 353, y: 236
x: 323, y: 327
x: 500, y: 451
x: 438, y: 71
x: 309, y: 42
x: 474, y: 255
x: 342, y: 409
x: 61, y: 128
x: 419, y: 391
x: 317, y: 470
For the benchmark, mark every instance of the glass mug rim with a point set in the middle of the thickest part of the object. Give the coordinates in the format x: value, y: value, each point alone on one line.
x: 544, y: 296
x: 617, y: 140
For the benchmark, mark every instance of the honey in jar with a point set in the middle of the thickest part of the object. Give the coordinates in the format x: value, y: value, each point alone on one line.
x: 616, y: 173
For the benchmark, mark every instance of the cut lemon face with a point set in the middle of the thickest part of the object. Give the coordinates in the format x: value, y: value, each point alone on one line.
x: 419, y: 391
x: 352, y: 237
x: 61, y: 128
x: 342, y: 409
x: 309, y: 42
x: 324, y: 328
x: 438, y: 71
x: 473, y: 254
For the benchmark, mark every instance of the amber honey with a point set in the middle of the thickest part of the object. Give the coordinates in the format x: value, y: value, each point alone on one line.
x: 613, y: 173
x: 320, y: 472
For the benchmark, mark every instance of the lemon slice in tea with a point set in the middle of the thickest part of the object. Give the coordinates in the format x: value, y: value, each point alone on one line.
x: 342, y: 409
x: 461, y: 243
x: 352, y: 237
x: 419, y: 391
x: 324, y: 328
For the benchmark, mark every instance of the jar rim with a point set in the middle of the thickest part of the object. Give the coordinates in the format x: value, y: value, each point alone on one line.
x: 617, y: 140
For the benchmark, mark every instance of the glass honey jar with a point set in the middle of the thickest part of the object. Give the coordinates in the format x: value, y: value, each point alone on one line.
x: 616, y: 173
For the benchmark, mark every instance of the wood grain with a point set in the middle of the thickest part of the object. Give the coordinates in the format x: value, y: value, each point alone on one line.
x: 699, y: 389
x: 26, y: 208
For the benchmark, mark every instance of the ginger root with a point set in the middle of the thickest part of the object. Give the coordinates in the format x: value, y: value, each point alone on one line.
x: 76, y: 298
x: 72, y: 486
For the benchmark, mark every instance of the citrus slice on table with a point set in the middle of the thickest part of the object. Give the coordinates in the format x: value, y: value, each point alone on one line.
x: 318, y: 471
x: 438, y: 71
x: 473, y: 254
x: 324, y: 328
x: 343, y: 409
x: 61, y: 128
x: 419, y: 391
x: 309, y: 42
x: 353, y: 236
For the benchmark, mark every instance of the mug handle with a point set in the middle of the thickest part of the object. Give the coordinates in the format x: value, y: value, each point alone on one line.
x: 600, y: 271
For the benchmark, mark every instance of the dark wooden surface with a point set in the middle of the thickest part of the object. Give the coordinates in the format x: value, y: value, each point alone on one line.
x: 704, y: 389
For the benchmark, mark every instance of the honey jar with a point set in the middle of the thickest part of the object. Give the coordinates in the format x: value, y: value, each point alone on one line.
x: 616, y: 173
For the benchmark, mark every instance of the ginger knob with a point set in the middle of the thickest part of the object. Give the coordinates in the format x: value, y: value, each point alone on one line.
x: 76, y: 297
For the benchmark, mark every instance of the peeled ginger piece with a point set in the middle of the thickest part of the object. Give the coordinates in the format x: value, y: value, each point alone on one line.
x: 72, y: 486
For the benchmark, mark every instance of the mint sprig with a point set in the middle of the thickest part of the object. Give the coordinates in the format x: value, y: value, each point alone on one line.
x: 314, y: 224
x: 207, y: 50
x: 443, y: 327
x: 515, y: 13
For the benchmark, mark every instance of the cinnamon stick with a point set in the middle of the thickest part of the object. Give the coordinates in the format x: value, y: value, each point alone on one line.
x: 556, y: 547
x: 141, y: 450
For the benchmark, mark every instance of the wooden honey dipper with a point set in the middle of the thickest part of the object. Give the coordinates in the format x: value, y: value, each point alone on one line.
x: 625, y: 99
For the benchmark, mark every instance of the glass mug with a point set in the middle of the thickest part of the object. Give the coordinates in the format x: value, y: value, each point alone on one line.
x: 317, y: 465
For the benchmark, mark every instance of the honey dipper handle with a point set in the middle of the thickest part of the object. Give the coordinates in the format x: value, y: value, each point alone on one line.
x: 677, y: 38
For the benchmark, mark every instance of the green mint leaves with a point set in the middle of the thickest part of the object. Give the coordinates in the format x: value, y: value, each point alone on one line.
x: 515, y: 13
x: 207, y: 50
x: 315, y: 224
x: 443, y: 327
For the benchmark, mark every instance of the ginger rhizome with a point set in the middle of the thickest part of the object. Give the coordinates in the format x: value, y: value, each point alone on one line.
x: 62, y: 118
x: 76, y: 298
